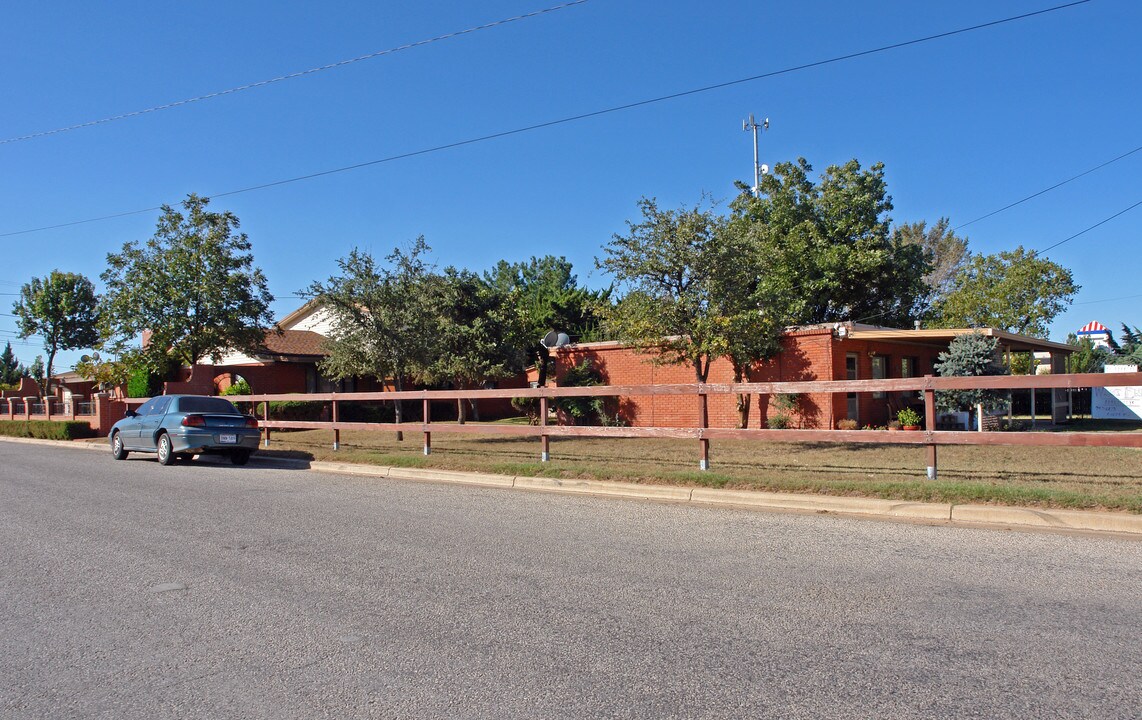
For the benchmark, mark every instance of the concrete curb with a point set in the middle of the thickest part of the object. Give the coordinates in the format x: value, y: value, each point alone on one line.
x: 867, y: 507
x: 997, y: 515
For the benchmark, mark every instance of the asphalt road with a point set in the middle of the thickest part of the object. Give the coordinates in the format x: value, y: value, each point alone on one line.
x: 130, y: 590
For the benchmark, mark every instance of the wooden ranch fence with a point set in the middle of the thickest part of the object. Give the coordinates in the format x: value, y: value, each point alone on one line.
x: 928, y: 385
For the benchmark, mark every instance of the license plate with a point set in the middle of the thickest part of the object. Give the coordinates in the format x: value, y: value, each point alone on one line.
x: 228, y: 438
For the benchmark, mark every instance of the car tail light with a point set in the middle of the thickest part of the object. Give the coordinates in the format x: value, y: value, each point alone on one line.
x: 194, y: 421
x: 251, y: 422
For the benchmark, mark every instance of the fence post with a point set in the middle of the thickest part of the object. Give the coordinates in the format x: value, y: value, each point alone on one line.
x: 703, y: 423
x: 930, y: 426
x: 427, y: 434
x: 266, y: 418
x: 544, y: 438
x: 336, y: 432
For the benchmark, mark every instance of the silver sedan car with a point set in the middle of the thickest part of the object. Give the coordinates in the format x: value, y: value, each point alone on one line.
x: 181, y: 426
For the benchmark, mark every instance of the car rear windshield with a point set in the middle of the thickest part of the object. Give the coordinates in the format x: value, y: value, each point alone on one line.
x: 207, y: 405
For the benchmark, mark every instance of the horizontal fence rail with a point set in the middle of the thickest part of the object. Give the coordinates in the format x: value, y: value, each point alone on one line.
x: 928, y: 386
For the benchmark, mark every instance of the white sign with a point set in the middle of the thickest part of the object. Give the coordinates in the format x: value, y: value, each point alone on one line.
x: 1117, y: 403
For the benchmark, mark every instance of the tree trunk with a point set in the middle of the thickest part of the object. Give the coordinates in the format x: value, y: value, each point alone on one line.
x: 460, y: 410
x: 742, y: 375
x: 541, y: 366
x: 47, y: 389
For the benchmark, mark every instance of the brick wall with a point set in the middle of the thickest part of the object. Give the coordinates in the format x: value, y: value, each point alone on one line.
x: 806, y: 355
x: 811, y: 354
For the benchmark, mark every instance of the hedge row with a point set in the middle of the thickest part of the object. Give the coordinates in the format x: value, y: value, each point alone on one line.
x: 46, y: 429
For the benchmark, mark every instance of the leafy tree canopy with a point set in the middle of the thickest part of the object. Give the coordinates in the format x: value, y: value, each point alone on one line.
x: 193, y: 286
x: 384, y: 318
x: 62, y: 309
x: 547, y: 296
x: 1015, y: 290
x: 480, y: 336
x: 668, y: 264
x: 829, y: 243
x: 945, y: 252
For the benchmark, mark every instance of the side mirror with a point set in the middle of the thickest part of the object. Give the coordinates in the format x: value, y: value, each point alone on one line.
x: 132, y: 413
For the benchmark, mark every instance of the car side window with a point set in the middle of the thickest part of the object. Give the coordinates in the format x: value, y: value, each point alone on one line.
x: 161, y: 405
x: 147, y: 408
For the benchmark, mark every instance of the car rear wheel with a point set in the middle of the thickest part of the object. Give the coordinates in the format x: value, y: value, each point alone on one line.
x: 166, y: 452
x: 240, y: 457
x: 117, y: 450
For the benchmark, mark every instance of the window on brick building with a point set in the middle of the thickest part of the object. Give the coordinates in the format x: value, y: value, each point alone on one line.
x: 852, y: 404
x: 908, y: 369
x: 879, y: 371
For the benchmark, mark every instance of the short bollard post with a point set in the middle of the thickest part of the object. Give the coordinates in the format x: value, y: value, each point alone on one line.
x: 427, y: 434
x: 545, y: 440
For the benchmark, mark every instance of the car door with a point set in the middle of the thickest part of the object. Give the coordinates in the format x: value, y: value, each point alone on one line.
x: 129, y: 429
x: 149, y: 422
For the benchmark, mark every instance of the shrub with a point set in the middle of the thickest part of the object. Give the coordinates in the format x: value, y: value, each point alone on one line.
x: 46, y: 429
x: 297, y: 410
x: 779, y: 422
x: 239, y: 388
x: 908, y: 417
x: 847, y: 424
x: 582, y: 409
x: 529, y: 407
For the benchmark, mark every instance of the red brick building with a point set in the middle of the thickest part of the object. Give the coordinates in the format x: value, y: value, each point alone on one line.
x: 844, y: 351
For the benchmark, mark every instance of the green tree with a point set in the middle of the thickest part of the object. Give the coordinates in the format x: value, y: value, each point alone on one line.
x: 699, y: 287
x: 945, y: 252
x: 1129, y: 350
x: 547, y: 297
x: 975, y: 355
x: 829, y: 243
x: 667, y: 264
x: 193, y: 286
x: 385, y: 320
x: 37, y: 372
x: 1015, y: 290
x: 1087, y: 358
x: 481, y: 337
x: 62, y: 309
x: 9, y: 366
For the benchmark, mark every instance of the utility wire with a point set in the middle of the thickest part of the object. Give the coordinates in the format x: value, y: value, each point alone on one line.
x: 1094, y: 302
x: 291, y: 76
x: 1047, y: 190
x: 1092, y: 227
x: 582, y: 116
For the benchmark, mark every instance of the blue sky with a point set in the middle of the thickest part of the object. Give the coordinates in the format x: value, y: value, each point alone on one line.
x: 965, y: 125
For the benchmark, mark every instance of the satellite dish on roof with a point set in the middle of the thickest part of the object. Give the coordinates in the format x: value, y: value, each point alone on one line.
x: 554, y: 340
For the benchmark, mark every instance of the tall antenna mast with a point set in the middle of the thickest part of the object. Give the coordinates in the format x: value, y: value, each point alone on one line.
x: 758, y: 170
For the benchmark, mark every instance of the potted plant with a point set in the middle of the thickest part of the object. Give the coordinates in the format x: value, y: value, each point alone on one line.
x: 909, y: 419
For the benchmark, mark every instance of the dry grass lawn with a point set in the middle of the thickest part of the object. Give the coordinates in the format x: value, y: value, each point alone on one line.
x: 1082, y: 477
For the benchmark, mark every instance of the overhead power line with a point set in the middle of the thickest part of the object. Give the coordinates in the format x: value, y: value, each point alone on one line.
x: 581, y: 116
x: 290, y: 76
x: 1092, y: 227
x: 1047, y: 190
